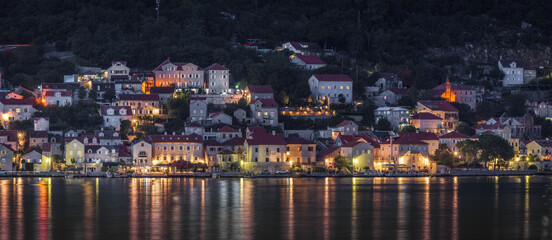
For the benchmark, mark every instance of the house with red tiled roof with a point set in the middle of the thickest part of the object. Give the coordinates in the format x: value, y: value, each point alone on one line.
x: 164, y: 93
x: 16, y: 109
x: 346, y: 127
x: 456, y: 92
x: 142, y: 155
x: 307, y: 62
x: 451, y: 139
x: 427, y: 122
x: 392, y: 95
x: 179, y: 75
x: 170, y: 148
x: 254, y: 92
x: 140, y: 104
x: 217, y: 78
x: 334, y: 88
x: 226, y: 133
x: 113, y: 115
x: 265, y: 151
x: 118, y: 71
x: 264, y: 111
x: 301, y: 151
x: 409, y: 150
x: 441, y: 109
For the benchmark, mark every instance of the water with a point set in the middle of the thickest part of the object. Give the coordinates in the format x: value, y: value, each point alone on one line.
x: 347, y: 208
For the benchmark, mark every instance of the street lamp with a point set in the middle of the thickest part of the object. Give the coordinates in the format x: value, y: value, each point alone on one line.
x: 354, y: 164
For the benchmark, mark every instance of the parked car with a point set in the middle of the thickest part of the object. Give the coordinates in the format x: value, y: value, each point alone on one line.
x: 282, y: 172
x: 265, y: 172
x: 3, y: 171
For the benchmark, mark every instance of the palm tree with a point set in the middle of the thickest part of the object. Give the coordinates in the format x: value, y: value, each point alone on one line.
x: 469, y: 148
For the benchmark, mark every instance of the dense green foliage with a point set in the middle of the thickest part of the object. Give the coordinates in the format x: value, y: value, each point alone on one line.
x: 77, y: 116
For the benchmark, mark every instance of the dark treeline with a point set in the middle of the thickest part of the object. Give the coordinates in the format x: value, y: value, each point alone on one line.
x: 374, y: 33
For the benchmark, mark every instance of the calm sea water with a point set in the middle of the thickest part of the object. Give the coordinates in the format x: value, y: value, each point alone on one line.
x: 347, y: 208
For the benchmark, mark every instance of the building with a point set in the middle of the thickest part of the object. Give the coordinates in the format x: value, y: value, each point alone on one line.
x: 16, y: 109
x: 217, y: 78
x: 254, y: 92
x: 240, y: 115
x: 128, y: 86
x: 140, y: 104
x: 226, y: 133
x: 74, y: 151
x: 41, y: 124
x: 170, y: 148
x: 113, y: 115
x: 540, y: 148
x: 393, y: 95
x: 397, y: 116
x: 198, y: 109
x: 264, y: 111
x: 38, y: 138
x: 451, y: 139
x: 220, y: 117
x: 300, y: 151
x: 118, y: 71
x: 33, y: 158
x: 520, y: 127
x: 264, y: 151
x: 427, y: 122
x: 142, y: 155
x: 441, y: 109
x: 10, y: 138
x: 108, y: 137
x: 178, y: 75
x: 164, y: 93
x: 388, y: 81
x: 335, y: 88
x: 359, y: 153
x: 58, y: 98
x: 7, y: 154
x: 456, y: 92
x: 516, y: 73
x: 304, y: 48
x: 406, y: 152
x: 101, y: 88
x: 307, y: 62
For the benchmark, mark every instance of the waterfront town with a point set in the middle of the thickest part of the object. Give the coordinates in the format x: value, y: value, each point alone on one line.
x: 181, y: 117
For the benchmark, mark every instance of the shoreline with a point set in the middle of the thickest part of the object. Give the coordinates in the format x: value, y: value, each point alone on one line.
x: 316, y: 175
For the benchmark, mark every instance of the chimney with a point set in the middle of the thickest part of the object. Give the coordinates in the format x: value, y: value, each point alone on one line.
x: 417, y: 130
x: 165, y: 133
x: 273, y: 133
x: 174, y: 133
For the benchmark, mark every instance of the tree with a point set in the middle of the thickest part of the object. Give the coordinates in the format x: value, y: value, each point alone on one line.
x: 125, y: 129
x: 383, y: 125
x: 465, y: 113
x: 341, y: 162
x: 109, y: 95
x: 407, y: 128
x: 82, y: 93
x: 179, y: 108
x: 341, y: 98
x: 494, y: 148
x: 469, y: 148
x: 464, y: 128
x: 443, y: 156
x: 516, y: 105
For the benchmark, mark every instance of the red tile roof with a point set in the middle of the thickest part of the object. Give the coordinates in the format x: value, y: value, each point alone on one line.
x: 425, y: 115
x: 350, y: 138
x: 212, y: 142
x: 256, y: 129
x: 26, y: 101
x: 332, y: 78
x: 235, y: 141
x: 327, y: 152
x: 104, y: 108
x: 216, y: 66
x: 176, y: 138
x: 352, y: 144
x: 139, y: 97
x: 265, y: 139
x: 423, y: 136
x: 310, y: 59
x: 178, y: 65
x: 453, y: 86
x: 399, y: 91
x: 226, y: 129
x: 407, y: 140
x: 439, y: 105
x: 193, y: 125
x: 266, y: 102
x: 10, y: 134
x: 260, y: 89
x: 8, y: 147
x: 162, y: 90
x: 298, y: 140
x: 344, y: 123
x: 38, y: 134
x: 453, y: 134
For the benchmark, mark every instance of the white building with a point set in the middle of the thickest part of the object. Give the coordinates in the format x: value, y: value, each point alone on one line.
x: 198, y: 109
x: 305, y: 48
x: 264, y: 111
x: 332, y: 87
x: 16, y: 109
x: 220, y: 117
x: 118, y: 71
x: 515, y: 73
x: 307, y: 62
x: 58, y: 98
x: 217, y: 78
x: 395, y: 115
x: 41, y: 124
x: 113, y: 115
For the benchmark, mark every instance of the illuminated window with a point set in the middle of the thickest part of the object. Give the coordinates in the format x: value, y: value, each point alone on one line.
x: 341, y: 87
x: 347, y: 87
x: 322, y: 86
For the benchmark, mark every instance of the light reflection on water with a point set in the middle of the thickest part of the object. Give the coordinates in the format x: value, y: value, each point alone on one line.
x: 285, y: 208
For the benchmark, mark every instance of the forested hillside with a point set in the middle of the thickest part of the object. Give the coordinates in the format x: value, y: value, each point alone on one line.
x: 386, y: 34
